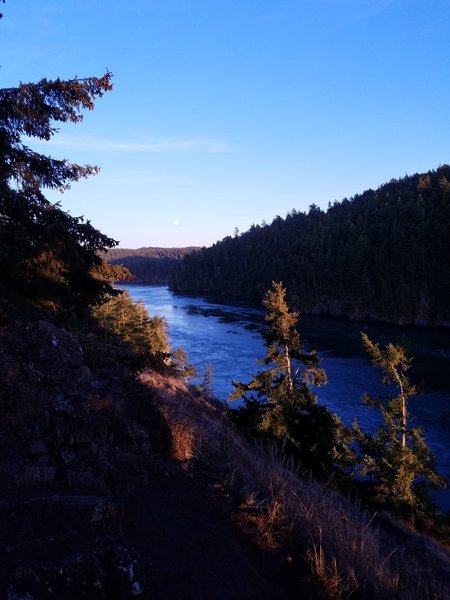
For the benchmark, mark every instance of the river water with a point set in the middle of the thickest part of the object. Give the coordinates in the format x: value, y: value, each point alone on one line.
x: 226, y: 336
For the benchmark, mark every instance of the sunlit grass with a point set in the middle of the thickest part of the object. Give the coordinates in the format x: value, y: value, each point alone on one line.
x: 348, y: 555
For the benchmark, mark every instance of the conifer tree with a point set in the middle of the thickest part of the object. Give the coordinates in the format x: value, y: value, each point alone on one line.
x: 279, y: 403
x: 206, y: 386
x: 48, y: 258
x: 396, y: 456
x: 129, y: 336
x: 51, y: 263
x: 182, y: 366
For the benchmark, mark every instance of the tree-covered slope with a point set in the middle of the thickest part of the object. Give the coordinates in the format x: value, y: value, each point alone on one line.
x: 381, y: 255
x: 149, y: 265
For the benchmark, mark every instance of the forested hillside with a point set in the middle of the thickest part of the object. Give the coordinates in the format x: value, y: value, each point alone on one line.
x: 382, y: 255
x: 149, y: 265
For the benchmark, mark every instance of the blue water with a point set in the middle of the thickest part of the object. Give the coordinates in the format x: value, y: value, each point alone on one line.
x: 227, y: 336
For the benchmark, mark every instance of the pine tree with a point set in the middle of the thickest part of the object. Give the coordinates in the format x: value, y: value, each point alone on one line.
x: 279, y: 403
x: 126, y: 335
x: 206, y: 386
x: 396, y: 456
x: 182, y: 366
x: 48, y: 259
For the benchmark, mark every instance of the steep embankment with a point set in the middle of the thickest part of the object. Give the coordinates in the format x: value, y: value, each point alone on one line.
x: 149, y: 265
x: 114, y: 487
x: 383, y: 255
x: 94, y: 501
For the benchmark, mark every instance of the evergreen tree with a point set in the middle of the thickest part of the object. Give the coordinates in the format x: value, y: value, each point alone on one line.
x: 396, y: 456
x: 206, y: 386
x: 128, y: 336
x: 182, y: 366
x: 48, y: 259
x: 279, y: 403
x: 51, y: 263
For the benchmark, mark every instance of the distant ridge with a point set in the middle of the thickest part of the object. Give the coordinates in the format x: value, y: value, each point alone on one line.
x: 149, y: 264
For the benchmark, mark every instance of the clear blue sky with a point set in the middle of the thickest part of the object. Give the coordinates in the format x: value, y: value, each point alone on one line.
x: 229, y: 112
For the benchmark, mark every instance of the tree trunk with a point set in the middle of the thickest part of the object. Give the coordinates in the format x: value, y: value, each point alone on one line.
x: 289, y: 367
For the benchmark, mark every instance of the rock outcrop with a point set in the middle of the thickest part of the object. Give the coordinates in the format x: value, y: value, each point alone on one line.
x: 68, y: 456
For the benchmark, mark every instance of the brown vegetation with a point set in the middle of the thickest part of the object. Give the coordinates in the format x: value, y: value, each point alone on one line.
x: 347, y: 552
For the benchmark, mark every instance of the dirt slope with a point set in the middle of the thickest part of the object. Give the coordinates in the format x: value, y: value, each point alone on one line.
x: 93, y: 503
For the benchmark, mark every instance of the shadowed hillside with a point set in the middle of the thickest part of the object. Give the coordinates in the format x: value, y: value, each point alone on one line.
x: 149, y: 265
x: 119, y: 487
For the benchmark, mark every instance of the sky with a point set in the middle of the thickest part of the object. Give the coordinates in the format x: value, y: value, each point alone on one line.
x: 226, y: 113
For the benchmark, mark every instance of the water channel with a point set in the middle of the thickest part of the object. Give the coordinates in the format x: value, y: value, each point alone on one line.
x: 226, y: 336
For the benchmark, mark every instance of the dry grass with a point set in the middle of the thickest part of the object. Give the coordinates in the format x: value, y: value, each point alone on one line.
x: 348, y: 555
